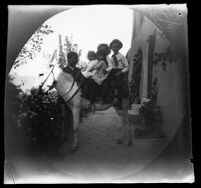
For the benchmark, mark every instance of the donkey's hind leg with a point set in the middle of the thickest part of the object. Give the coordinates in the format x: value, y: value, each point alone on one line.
x: 130, y: 134
x: 122, y: 137
x: 128, y: 126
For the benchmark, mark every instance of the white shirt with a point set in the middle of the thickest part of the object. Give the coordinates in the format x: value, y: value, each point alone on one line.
x: 122, y: 62
x: 90, y: 65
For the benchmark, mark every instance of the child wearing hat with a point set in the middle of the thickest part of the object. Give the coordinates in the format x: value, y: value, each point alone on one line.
x: 119, y: 61
x: 120, y: 69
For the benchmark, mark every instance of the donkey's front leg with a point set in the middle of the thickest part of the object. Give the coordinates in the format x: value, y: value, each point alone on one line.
x: 76, y: 121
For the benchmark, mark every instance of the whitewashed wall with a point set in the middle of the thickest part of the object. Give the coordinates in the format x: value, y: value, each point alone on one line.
x: 170, y: 82
x: 170, y: 89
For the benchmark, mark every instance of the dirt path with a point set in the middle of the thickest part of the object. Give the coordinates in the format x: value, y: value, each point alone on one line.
x: 98, y: 158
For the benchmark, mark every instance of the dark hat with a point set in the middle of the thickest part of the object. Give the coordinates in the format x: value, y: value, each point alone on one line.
x: 118, y: 42
x: 71, y: 53
x: 104, y: 48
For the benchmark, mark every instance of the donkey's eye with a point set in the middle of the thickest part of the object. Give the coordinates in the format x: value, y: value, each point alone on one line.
x: 41, y: 74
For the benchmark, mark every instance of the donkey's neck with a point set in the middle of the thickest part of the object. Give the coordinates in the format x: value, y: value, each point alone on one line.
x: 64, y: 83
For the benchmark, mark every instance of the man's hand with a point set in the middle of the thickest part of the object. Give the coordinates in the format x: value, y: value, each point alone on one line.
x: 104, y: 72
x: 118, y: 73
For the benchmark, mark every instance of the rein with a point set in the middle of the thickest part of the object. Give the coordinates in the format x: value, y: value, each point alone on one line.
x: 48, y: 77
x: 51, y: 72
x: 69, y: 89
x: 73, y: 94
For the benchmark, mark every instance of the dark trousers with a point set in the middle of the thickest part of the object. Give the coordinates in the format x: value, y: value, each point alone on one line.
x: 89, y: 89
x: 119, y: 83
x: 84, y: 86
x: 95, y: 90
x: 119, y: 86
x: 106, y: 89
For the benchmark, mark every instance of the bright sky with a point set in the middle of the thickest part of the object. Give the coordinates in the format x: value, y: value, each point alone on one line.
x: 92, y: 25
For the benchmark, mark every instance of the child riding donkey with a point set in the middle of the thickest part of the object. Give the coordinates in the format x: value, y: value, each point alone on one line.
x: 119, y: 72
x: 96, y: 75
x: 117, y: 80
x: 87, y: 78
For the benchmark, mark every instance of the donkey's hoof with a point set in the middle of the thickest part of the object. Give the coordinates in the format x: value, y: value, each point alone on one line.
x: 130, y: 143
x: 73, y: 149
x: 56, y: 155
x: 59, y: 156
x: 119, y: 141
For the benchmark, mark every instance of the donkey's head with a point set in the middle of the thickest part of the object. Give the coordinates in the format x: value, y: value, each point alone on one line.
x: 46, y: 80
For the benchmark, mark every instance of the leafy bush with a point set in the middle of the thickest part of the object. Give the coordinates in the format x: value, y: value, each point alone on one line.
x: 151, y: 112
x: 38, y: 115
x: 134, y: 84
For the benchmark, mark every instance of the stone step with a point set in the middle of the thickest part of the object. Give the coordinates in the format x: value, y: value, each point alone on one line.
x: 141, y: 131
x: 144, y: 133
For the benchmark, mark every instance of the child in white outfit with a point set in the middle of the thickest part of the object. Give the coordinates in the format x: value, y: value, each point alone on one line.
x: 89, y: 71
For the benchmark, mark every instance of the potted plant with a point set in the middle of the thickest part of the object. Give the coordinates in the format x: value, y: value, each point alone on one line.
x: 151, y: 113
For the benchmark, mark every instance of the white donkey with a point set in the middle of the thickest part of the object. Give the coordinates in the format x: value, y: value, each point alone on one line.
x: 69, y: 90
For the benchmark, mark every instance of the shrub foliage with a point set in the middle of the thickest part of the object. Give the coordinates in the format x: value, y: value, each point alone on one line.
x: 37, y: 115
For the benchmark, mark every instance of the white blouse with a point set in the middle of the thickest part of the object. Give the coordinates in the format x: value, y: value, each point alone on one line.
x: 90, y: 65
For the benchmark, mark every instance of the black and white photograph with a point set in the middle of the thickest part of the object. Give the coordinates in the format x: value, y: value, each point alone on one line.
x: 97, y: 94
